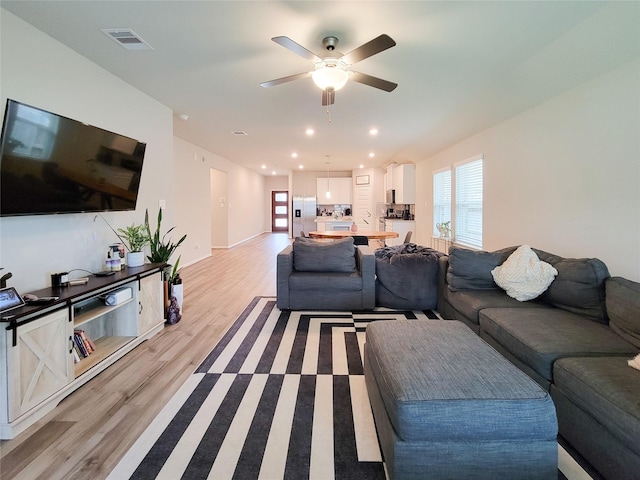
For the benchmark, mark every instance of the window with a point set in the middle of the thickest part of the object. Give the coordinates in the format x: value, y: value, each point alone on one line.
x: 465, y: 183
x: 468, y: 209
x: 441, y: 197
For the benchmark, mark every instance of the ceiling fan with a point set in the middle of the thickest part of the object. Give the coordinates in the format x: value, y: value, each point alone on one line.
x: 331, y: 68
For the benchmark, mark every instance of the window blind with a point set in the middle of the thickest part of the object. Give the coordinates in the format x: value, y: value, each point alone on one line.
x: 468, y: 210
x: 441, y: 197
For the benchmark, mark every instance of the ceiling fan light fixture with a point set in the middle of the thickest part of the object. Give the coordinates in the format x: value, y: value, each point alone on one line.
x: 330, y: 76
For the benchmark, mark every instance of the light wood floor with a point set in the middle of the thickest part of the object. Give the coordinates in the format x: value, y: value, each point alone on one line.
x: 90, y: 430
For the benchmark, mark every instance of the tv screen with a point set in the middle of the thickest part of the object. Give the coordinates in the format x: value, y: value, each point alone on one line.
x: 53, y: 164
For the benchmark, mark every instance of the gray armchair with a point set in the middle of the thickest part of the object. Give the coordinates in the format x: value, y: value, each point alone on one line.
x: 317, y: 275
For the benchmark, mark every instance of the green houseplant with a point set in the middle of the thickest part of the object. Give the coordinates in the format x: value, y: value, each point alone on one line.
x: 161, y: 247
x: 134, y: 237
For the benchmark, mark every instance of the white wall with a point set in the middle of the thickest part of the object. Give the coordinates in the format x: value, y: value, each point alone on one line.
x: 245, y: 202
x: 219, y: 185
x: 38, y: 70
x: 563, y: 176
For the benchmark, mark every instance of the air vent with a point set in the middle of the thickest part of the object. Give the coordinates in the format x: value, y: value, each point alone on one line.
x: 126, y: 38
x: 239, y: 133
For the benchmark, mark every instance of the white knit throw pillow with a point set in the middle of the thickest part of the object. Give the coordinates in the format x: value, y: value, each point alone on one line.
x: 523, y: 275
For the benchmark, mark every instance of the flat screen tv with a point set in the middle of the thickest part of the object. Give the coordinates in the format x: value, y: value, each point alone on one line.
x: 52, y: 164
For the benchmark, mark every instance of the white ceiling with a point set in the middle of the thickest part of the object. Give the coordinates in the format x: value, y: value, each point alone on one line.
x: 461, y: 67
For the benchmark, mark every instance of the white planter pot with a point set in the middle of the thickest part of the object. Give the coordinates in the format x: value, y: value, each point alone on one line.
x: 135, y: 259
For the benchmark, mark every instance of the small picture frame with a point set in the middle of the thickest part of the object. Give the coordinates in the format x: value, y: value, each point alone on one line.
x: 362, y: 180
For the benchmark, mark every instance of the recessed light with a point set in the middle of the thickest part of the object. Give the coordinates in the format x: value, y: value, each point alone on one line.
x: 273, y: 172
x: 310, y: 131
x: 294, y: 155
x: 183, y: 116
x: 361, y: 166
x: 371, y: 155
x: 373, y: 131
x: 263, y: 167
x: 300, y: 167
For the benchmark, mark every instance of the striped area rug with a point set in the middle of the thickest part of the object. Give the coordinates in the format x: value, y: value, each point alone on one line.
x: 281, y: 396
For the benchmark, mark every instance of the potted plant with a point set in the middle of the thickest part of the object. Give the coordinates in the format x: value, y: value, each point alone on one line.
x: 444, y: 228
x: 134, y: 237
x: 161, y: 250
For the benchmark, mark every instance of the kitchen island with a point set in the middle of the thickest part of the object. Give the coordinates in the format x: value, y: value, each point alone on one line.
x: 331, y: 224
x: 370, y: 234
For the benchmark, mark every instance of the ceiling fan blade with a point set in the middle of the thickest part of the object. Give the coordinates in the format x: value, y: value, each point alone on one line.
x: 296, y: 48
x: 377, y: 45
x: 373, y: 81
x: 328, y: 97
x: 290, y: 78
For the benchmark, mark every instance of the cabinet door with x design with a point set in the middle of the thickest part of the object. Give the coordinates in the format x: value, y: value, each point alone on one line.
x: 39, y: 364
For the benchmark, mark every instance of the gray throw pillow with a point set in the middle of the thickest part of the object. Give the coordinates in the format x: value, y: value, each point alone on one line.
x: 471, y: 269
x: 579, y: 286
x: 310, y: 255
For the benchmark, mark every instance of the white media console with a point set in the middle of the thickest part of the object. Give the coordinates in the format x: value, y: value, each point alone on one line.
x: 36, y: 344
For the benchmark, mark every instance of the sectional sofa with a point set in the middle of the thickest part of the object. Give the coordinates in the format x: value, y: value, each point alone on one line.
x: 575, y: 339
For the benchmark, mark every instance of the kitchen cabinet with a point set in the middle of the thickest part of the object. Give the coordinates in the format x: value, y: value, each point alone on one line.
x: 404, y: 183
x: 340, y: 188
x: 401, y: 227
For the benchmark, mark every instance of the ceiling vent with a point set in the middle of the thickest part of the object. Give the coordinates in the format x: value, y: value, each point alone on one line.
x: 239, y: 133
x: 126, y: 38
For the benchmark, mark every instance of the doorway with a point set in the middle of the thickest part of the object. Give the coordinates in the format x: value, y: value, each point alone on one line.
x: 279, y: 211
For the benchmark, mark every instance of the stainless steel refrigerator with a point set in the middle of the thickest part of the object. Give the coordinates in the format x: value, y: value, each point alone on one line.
x: 303, y: 213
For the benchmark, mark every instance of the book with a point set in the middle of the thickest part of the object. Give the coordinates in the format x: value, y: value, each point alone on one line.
x: 80, y: 343
x: 76, y: 357
x: 88, y: 345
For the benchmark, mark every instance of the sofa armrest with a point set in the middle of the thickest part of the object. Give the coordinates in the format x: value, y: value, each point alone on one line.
x: 366, y: 265
x: 443, y: 266
x: 284, y: 269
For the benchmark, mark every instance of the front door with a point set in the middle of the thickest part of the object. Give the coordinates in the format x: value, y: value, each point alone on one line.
x: 280, y: 211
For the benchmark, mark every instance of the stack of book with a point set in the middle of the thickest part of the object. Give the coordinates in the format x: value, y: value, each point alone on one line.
x: 83, y: 346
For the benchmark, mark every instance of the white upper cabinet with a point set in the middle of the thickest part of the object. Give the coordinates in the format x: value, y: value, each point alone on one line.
x: 340, y: 188
x: 404, y: 183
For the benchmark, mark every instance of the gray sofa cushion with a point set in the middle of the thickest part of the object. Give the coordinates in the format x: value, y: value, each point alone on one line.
x: 579, y: 286
x: 608, y: 389
x: 538, y: 337
x: 327, y: 282
x: 310, y: 255
x: 407, y: 277
x: 410, y: 359
x: 623, y: 308
x: 471, y: 269
x: 470, y: 302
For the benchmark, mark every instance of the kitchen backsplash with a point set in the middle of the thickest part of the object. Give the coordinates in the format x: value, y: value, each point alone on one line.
x: 328, y: 210
x: 406, y: 212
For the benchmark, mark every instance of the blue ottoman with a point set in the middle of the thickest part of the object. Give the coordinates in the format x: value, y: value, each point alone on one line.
x: 447, y: 405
